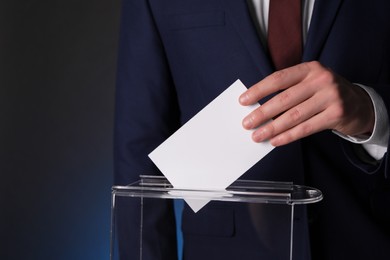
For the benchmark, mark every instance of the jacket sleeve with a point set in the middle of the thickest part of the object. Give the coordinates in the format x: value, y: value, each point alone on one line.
x: 379, y: 195
x: 146, y: 113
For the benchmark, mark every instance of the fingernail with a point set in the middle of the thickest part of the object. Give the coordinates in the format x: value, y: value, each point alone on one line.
x: 243, y: 98
x: 258, y: 135
x: 247, y: 122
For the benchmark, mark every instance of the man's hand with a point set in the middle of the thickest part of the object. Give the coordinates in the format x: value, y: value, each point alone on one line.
x: 312, y: 99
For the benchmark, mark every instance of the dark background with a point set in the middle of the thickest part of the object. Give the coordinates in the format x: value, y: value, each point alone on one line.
x: 57, y: 85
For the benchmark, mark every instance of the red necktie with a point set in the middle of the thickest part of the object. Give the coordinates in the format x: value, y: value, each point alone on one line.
x: 285, y: 32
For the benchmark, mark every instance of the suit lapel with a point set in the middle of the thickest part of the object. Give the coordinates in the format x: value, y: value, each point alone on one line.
x: 238, y: 14
x: 324, y: 14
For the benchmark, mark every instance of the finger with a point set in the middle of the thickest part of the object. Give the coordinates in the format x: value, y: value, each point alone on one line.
x: 291, y: 118
x: 277, y: 105
x: 311, y: 126
x: 277, y: 81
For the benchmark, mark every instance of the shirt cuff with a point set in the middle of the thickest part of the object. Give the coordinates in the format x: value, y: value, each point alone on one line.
x: 376, y: 144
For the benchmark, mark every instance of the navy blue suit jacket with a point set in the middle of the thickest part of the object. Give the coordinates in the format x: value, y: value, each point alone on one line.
x: 175, y: 56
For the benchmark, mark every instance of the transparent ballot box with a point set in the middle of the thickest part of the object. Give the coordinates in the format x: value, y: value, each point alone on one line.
x: 249, y: 220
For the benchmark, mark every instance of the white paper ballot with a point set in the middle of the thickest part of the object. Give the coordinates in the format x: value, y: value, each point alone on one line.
x: 212, y: 150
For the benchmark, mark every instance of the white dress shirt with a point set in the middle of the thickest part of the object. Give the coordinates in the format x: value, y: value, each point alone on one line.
x: 376, y: 144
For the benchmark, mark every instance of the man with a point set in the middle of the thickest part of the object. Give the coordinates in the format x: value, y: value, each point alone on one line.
x: 330, y: 129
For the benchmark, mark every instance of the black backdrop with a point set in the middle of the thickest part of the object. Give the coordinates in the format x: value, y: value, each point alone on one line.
x: 57, y: 78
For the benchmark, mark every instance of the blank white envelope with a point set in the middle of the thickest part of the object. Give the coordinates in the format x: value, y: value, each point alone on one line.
x: 212, y: 150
